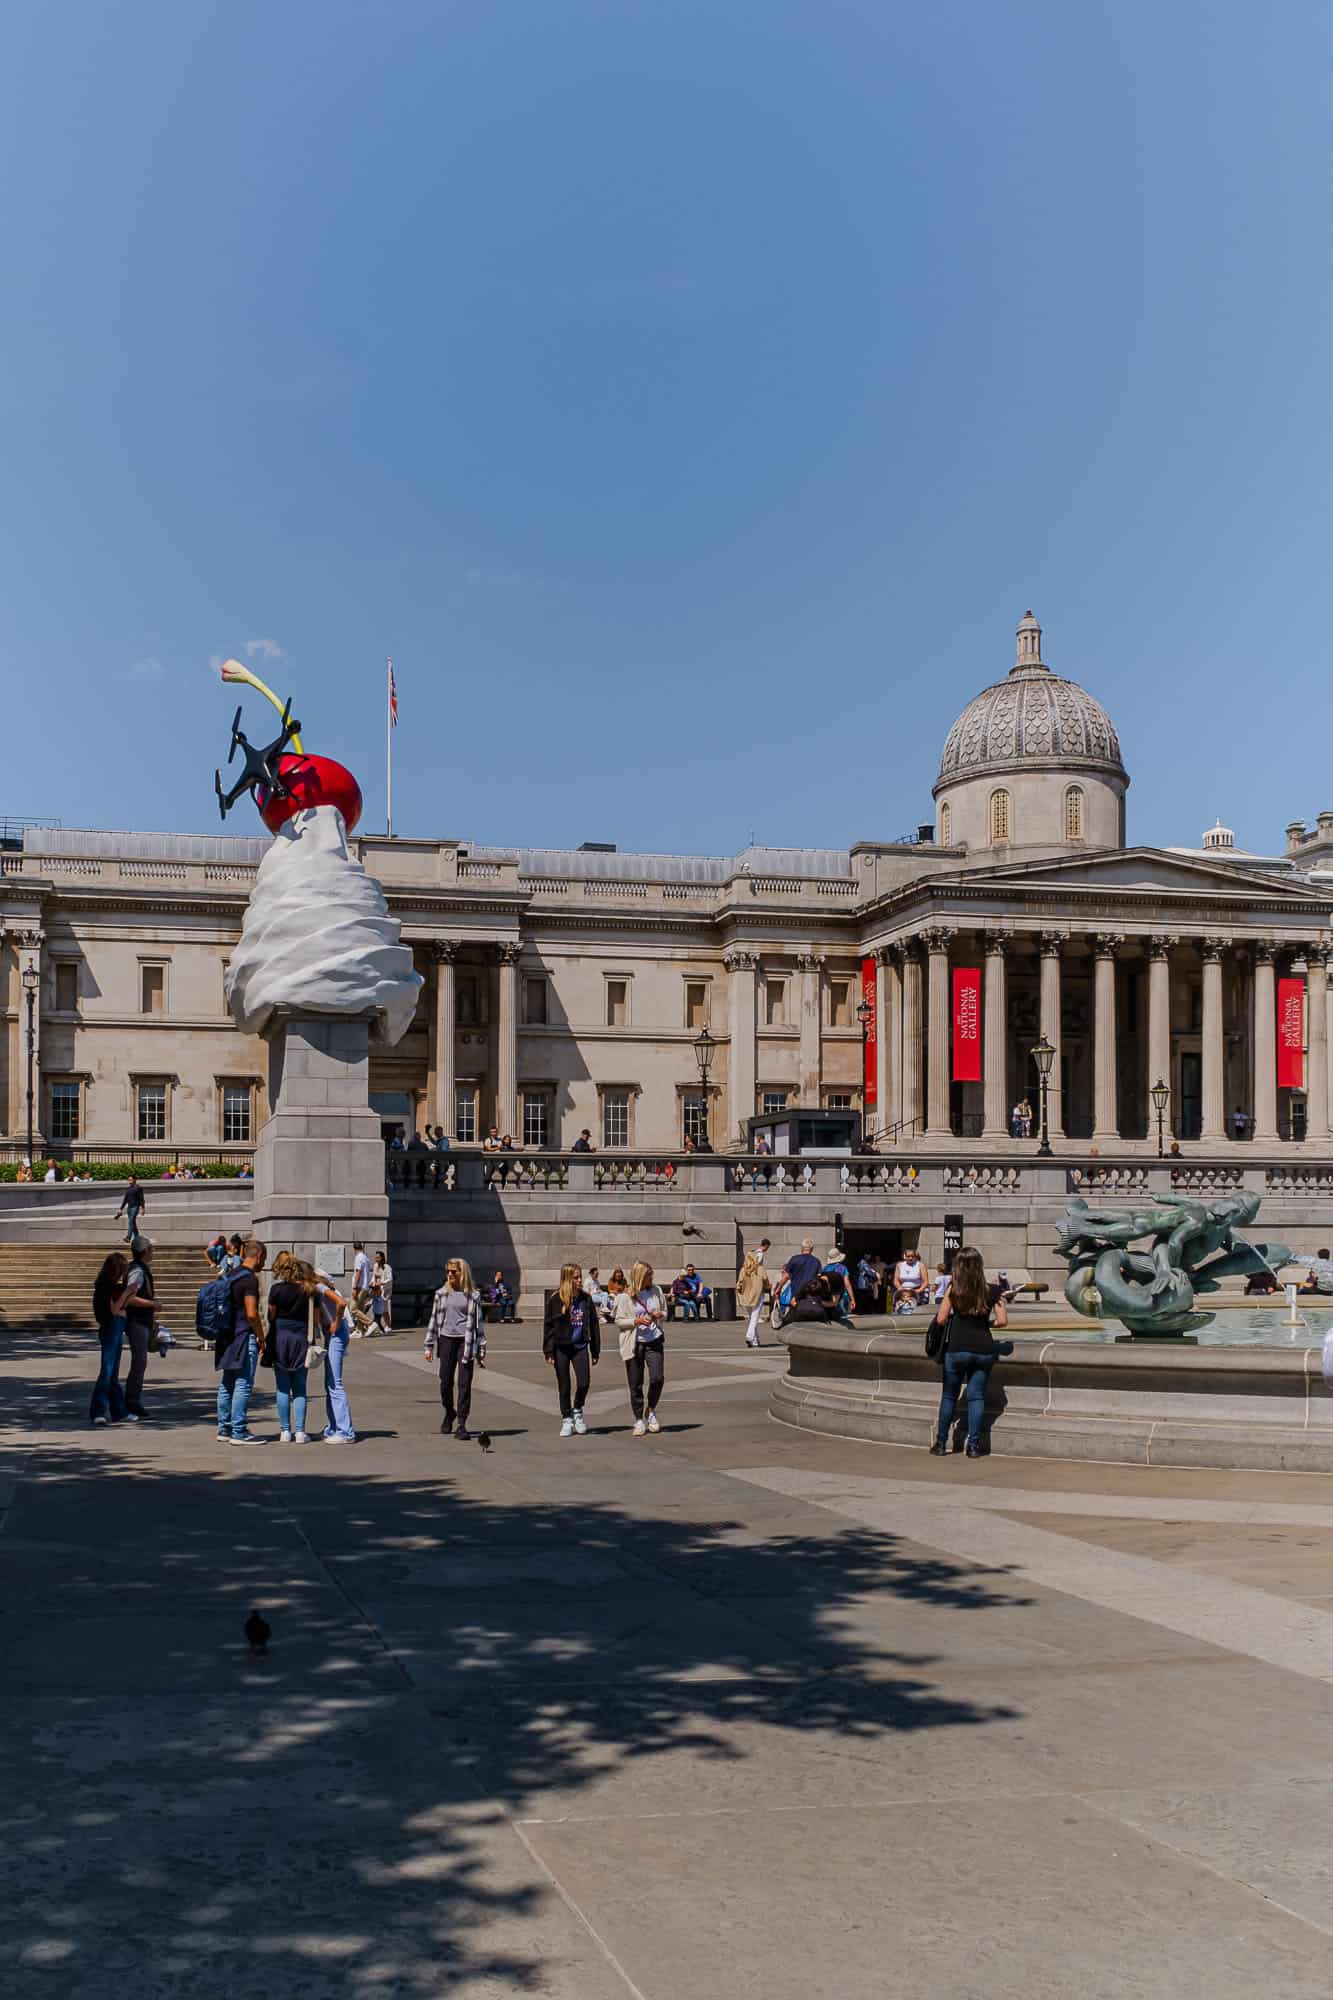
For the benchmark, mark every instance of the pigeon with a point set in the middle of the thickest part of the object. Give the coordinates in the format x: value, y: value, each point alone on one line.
x: 484, y: 1440
x: 258, y: 1631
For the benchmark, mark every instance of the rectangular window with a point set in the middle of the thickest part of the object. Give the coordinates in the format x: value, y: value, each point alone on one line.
x: 67, y: 988
x: 535, y: 1118
x: 617, y: 1003
x: 465, y: 1116
x: 615, y: 1118
x: 774, y: 1101
x: 534, y: 1002
x: 64, y: 1110
x: 467, y: 1008
x: 775, y: 1003
x: 839, y: 1100
x: 694, y: 1118
x: 152, y: 989
x: 236, y: 1114
x: 696, y: 1003
x: 152, y: 1107
x: 840, y: 1003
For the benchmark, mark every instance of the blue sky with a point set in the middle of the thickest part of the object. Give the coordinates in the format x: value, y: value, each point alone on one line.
x: 690, y: 397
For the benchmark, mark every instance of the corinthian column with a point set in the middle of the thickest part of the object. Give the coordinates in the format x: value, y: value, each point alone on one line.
x: 994, y: 1038
x: 506, y: 1052
x: 1214, y: 1111
x: 442, y: 1108
x: 911, y: 1039
x: 29, y: 943
x: 1316, y: 1030
x: 1052, y: 944
x: 888, y: 1000
x: 742, y: 965
x: 937, y: 1030
x: 809, y: 964
x: 1159, y: 1020
x: 1105, y: 1122
x: 1264, y: 1031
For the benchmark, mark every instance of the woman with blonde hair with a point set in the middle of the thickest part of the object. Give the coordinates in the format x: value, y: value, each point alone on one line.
x: 967, y: 1312
x: 752, y: 1287
x: 458, y: 1330
x: 291, y: 1327
x: 643, y: 1348
x: 571, y: 1343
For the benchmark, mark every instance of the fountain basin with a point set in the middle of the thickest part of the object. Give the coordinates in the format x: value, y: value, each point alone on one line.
x: 1261, y: 1408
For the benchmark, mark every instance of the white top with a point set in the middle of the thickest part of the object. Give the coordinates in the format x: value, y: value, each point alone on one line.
x: 381, y: 1275
x: 650, y: 1300
x: 361, y: 1271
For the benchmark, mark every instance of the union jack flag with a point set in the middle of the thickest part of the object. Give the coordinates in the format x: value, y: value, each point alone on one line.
x: 393, y: 696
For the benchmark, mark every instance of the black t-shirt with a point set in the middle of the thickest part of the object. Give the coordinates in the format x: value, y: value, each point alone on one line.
x: 969, y: 1333
x: 288, y: 1301
x: 244, y: 1285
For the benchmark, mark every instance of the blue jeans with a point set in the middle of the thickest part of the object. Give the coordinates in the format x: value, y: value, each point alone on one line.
x: 108, y: 1396
x: 974, y: 1369
x: 291, y: 1398
x: 234, y: 1392
x: 337, y: 1409
x: 689, y: 1308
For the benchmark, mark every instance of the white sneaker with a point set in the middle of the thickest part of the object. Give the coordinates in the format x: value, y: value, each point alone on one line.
x: 639, y: 1427
x: 302, y: 1437
x: 567, y: 1428
x: 580, y: 1424
x: 284, y: 1437
x: 653, y: 1424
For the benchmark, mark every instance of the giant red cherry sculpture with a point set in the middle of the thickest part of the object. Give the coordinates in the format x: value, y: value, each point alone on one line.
x: 310, y: 781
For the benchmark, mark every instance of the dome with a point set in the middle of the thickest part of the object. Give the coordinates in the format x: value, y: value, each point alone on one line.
x: 1032, y: 717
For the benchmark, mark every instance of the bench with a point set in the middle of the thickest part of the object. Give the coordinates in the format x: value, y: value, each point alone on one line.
x: 1023, y: 1281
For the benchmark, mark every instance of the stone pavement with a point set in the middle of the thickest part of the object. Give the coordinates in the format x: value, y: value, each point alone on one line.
x: 733, y: 1711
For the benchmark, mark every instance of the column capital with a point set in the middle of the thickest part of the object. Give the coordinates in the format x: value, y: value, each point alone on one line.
x: 1213, y: 948
x: 444, y: 950
x: 997, y: 944
x: 29, y: 939
x: 737, y: 960
x: 938, y: 939
x: 1052, y: 943
x: 1265, y: 950
x: 1161, y: 944
x: 1106, y: 944
x: 508, y: 951
x: 810, y: 961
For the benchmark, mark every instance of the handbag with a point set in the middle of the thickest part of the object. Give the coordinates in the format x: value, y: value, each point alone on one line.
x: 937, y: 1338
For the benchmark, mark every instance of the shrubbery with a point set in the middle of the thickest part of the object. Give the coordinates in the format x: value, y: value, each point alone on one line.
x: 120, y: 1170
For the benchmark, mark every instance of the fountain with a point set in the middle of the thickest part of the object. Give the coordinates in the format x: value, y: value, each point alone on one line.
x: 1190, y: 1246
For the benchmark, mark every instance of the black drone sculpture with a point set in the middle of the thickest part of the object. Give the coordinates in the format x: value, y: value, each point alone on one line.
x: 261, y: 766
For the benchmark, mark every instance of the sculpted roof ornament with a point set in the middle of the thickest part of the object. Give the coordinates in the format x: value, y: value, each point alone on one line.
x: 1031, y: 717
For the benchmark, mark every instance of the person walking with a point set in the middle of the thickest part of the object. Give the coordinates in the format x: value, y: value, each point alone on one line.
x: 381, y: 1292
x: 140, y: 1314
x: 361, y: 1278
x: 236, y: 1354
x: 572, y: 1344
x: 646, y: 1355
x: 752, y: 1288
x: 131, y: 1207
x: 457, y: 1332
x: 967, y: 1312
x: 338, y: 1426
x: 291, y: 1318
x: 111, y: 1291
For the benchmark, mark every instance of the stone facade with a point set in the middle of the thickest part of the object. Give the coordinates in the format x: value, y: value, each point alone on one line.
x: 566, y: 989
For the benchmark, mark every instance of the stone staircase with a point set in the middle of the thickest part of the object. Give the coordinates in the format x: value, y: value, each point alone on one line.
x: 48, y: 1287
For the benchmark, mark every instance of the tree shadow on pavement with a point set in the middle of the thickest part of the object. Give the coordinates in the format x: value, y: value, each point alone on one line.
x: 451, y: 1654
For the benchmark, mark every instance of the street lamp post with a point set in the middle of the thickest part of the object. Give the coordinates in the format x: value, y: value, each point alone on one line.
x: 1043, y: 1055
x: 31, y: 980
x: 1161, y: 1097
x: 865, y: 1014
x: 704, y: 1047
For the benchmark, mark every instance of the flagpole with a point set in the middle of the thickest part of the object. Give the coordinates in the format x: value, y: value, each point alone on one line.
x: 388, y: 747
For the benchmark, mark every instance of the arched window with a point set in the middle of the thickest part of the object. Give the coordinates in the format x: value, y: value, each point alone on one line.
x: 946, y: 827
x: 1074, y: 813
x: 999, y: 817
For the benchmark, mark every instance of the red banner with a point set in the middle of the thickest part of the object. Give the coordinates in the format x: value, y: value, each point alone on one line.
x: 967, y: 1024
x: 1290, y: 1033
x: 870, y: 1085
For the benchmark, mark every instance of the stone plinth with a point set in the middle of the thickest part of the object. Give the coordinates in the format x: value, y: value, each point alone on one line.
x: 319, y: 1161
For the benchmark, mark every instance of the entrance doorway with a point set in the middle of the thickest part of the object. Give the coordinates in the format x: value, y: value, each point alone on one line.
x: 885, y: 1243
x: 1191, y: 1095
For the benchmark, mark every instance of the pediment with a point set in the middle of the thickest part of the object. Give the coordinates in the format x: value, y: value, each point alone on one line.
x: 1152, y: 869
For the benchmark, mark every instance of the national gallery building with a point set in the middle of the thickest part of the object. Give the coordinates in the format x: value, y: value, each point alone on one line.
x: 909, y: 979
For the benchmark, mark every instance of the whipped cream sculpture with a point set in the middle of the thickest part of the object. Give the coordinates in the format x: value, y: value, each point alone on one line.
x: 318, y: 937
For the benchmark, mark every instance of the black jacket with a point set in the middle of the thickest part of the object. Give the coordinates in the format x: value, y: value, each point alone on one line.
x: 556, y: 1329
